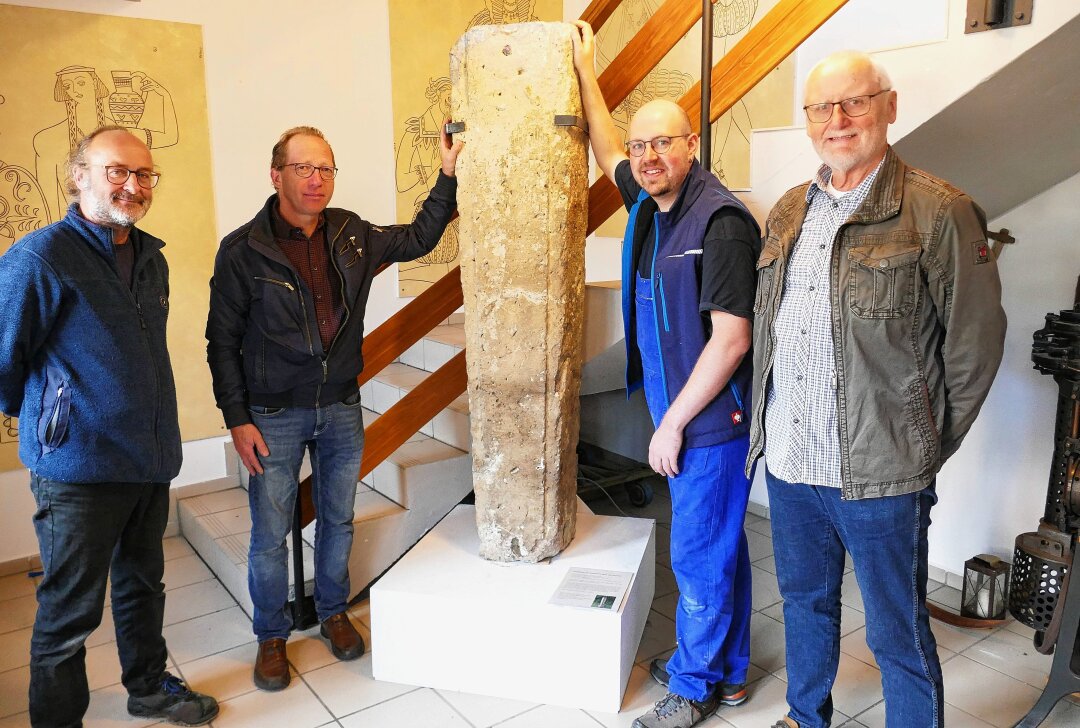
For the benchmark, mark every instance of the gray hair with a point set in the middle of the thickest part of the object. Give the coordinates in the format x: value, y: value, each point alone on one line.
x: 880, y: 74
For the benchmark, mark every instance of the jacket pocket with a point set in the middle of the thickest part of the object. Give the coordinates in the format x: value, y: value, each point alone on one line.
x: 55, y: 410
x: 881, y: 279
x: 766, y: 274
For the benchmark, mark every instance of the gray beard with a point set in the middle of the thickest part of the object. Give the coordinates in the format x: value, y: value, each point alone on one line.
x: 107, y: 212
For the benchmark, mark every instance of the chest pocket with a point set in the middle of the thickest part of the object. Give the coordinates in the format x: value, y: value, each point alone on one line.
x: 881, y: 279
x: 766, y: 274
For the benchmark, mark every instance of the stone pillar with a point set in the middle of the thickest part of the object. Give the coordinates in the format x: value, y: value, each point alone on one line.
x: 523, y: 199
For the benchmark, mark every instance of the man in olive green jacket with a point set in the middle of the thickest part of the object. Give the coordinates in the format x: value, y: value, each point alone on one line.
x: 878, y: 332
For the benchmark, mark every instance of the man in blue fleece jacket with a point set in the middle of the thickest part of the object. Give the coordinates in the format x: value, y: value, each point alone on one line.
x: 83, y: 361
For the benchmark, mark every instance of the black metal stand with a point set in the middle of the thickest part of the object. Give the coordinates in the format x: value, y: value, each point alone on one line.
x: 706, y: 84
x: 302, y: 606
x: 1065, y: 671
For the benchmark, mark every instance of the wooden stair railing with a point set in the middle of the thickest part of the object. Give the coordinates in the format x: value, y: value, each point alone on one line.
x: 778, y: 34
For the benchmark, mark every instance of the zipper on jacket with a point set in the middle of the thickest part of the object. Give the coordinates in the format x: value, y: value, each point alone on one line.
x: 344, y: 320
x: 50, y: 430
x: 303, y: 313
x: 735, y: 392
x: 656, y: 321
x: 663, y: 304
x: 283, y: 284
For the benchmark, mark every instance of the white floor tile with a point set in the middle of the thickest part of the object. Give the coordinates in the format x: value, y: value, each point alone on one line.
x: 665, y: 581
x: 176, y: 547
x: 225, y: 675
x: 659, y: 637
x: 766, y: 643
x: 1013, y: 655
x: 208, y: 635
x: 102, y: 666
x: 184, y: 571
x: 641, y: 694
x: 294, y: 707
x: 308, y: 650
x: 760, y: 546
x: 348, y: 687
x: 546, y: 716
x: 954, y: 638
x: 986, y: 693
x: 857, y: 686
x: 768, y: 564
x: 767, y: 704
x: 765, y: 590
x: 196, y: 600
x: 667, y: 604
x: 421, y: 708
x: 108, y: 709
x: 17, y: 613
x: 483, y: 710
x: 14, y: 685
x: 15, y: 649
x: 850, y: 594
x: 19, y: 720
x: 16, y: 585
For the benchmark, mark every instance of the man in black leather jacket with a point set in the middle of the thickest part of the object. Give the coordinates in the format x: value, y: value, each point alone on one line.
x: 284, y: 334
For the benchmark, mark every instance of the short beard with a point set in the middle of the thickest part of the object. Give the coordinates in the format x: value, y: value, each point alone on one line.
x: 108, y: 213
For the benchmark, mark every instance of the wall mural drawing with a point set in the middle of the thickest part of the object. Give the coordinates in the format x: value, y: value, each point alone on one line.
x: 420, y: 41
x: 137, y: 102
x: 64, y: 75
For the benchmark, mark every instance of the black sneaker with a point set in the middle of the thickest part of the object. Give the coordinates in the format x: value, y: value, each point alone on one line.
x: 675, y: 711
x: 174, y: 703
x: 731, y: 694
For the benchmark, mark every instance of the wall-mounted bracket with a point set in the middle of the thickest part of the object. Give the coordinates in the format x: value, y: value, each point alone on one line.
x: 571, y: 120
x: 994, y: 14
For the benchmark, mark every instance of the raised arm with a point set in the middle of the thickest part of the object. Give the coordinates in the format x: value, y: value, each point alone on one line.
x: 603, y: 134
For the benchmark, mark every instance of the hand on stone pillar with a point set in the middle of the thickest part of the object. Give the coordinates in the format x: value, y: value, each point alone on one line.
x: 449, y: 149
x: 584, y: 49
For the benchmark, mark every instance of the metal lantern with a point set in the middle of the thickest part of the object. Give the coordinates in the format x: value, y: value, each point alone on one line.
x: 986, y: 587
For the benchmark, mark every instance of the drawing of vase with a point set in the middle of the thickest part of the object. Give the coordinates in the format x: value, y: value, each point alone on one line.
x: 125, y: 104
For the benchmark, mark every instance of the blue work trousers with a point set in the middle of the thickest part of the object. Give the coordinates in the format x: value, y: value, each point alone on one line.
x: 709, y: 553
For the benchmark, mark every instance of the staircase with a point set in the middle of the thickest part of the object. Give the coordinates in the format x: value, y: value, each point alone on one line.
x: 396, y: 503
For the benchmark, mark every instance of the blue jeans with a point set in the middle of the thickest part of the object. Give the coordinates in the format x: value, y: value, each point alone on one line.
x: 85, y: 531
x: 334, y: 436
x: 709, y: 553
x: 886, y: 537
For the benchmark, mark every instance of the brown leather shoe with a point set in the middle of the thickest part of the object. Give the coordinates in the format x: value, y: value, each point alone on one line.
x: 272, y: 665
x: 345, y: 642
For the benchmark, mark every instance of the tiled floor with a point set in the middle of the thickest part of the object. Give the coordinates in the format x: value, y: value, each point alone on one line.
x: 991, y: 677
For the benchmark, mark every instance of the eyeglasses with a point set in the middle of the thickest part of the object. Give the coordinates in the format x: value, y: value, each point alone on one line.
x: 854, y: 107
x: 660, y: 144
x: 306, y: 170
x: 119, y: 175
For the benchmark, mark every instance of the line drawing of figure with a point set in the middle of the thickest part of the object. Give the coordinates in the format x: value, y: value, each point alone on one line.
x: 22, y: 204
x: 138, y: 102
x: 502, y: 12
x: 420, y: 142
x: 731, y: 17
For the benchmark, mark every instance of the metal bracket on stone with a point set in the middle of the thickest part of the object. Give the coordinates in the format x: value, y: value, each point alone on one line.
x: 570, y: 120
x: 455, y: 127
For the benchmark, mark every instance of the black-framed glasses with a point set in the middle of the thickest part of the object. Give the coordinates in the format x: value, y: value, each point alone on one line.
x: 119, y: 175
x: 853, y: 107
x: 306, y: 170
x: 660, y: 144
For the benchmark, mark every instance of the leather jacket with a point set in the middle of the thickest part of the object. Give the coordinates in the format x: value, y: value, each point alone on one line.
x: 918, y: 328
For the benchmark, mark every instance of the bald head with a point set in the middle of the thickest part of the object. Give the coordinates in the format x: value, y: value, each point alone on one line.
x: 850, y: 64
x: 662, y: 112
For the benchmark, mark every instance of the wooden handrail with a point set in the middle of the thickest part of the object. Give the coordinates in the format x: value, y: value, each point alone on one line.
x: 413, y: 411
x: 599, y: 11
x: 766, y: 44
x: 388, y: 341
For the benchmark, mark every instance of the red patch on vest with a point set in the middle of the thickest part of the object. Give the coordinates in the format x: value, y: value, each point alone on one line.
x: 737, y: 417
x: 982, y: 253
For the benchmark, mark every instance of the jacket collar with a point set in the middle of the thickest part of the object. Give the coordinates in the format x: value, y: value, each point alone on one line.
x: 261, y: 236
x: 691, y: 190
x: 100, y: 237
x: 886, y: 193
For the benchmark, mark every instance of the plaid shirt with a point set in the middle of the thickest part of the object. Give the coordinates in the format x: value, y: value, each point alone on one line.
x: 802, y: 443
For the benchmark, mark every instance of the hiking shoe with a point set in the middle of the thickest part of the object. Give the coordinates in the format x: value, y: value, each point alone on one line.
x: 271, y: 665
x: 730, y: 693
x: 174, y: 703
x: 675, y: 711
x: 785, y: 722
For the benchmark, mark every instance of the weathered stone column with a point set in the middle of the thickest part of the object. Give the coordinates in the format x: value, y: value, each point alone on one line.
x: 523, y: 198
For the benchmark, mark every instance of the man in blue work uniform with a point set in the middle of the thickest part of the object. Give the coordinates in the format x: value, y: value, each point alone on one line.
x: 688, y: 298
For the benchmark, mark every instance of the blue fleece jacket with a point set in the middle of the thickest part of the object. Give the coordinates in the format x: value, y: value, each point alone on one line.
x: 83, y: 358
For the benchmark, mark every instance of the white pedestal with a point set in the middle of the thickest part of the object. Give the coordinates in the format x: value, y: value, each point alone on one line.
x: 442, y: 617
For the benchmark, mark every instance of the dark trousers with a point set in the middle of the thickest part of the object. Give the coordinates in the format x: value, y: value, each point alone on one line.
x: 85, y: 531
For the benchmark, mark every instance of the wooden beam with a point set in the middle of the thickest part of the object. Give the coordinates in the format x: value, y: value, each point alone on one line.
x: 388, y: 341
x: 413, y: 411
x: 657, y: 37
x: 599, y: 11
